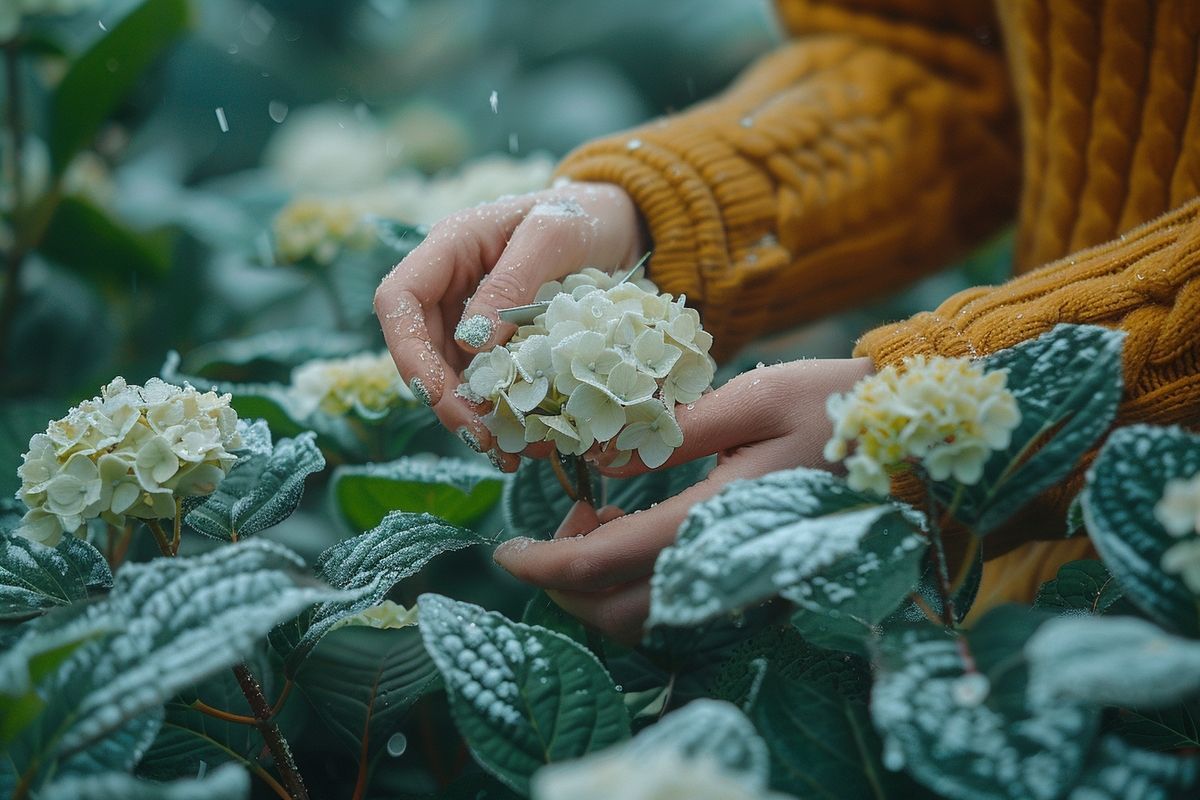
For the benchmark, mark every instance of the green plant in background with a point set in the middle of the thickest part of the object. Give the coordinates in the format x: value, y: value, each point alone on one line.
x: 283, y: 588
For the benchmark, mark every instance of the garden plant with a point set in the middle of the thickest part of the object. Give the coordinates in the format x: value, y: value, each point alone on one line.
x: 265, y: 571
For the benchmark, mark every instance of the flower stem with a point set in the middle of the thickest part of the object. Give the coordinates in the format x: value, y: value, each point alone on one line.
x: 160, y: 537
x: 227, y: 716
x: 560, y: 473
x: 284, y: 762
x: 940, y: 564
x: 178, y: 534
x: 583, y: 481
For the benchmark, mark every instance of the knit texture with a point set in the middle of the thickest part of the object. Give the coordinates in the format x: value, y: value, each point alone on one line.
x: 890, y: 135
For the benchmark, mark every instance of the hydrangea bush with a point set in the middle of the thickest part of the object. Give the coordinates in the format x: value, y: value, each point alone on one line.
x: 278, y: 583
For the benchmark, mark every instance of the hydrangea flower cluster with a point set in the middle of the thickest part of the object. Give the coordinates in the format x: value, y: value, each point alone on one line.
x: 322, y: 227
x: 1179, y: 513
x: 131, y: 451
x: 366, y: 383
x: 11, y: 12
x: 605, y: 362
x: 948, y: 414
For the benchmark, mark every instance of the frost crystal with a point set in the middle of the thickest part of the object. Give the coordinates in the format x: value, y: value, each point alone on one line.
x: 1179, y: 513
x: 946, y: 413
x: 131, y: 451
x: 605, y: 362
x: 366, y: 383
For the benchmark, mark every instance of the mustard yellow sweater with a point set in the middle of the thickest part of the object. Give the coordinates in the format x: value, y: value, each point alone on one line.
x: 890, y: 135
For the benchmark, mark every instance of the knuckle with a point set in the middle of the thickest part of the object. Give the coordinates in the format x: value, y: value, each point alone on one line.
x: 505, y: 288
x: 582, y: 569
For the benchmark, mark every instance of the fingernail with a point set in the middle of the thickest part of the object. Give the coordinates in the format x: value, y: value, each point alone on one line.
x: 419, y: 391
x: 475, y: 331
x: 496, y: 459
x: 469, y: 439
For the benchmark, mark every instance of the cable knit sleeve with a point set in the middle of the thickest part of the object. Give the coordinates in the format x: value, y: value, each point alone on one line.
x: 870, y: 149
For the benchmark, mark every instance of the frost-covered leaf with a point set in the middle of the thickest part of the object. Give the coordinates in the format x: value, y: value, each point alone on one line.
x: 1068, y: 384
x: 34, y: 577
x: 1124, y: 484
x: 799, y: 532
x: 1117, y: 771
x: 522, y: 696
x: 227, y: 782
x: 821, y: 742
x: 271, y: 355
x: 119, y: 750
x: 1174, y: 728
x: 714, y: 730
x: 534, y: 502
x: 260, y: 491
x: 174, y: 621
x: 976, y: 735
x: 1117, y: 661
x: 366, y: 567
x: 362, y: 681
x: 1084, y: 585
x: 456, y: 490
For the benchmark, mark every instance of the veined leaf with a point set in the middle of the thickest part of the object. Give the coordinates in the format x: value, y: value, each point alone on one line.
x: 228, y: 782
x: 1124, y: 485
x: 1175, y: 728
x: 1117, y: 771
x: 1111, y: 661
x: 366, y: 567
x: 802, y: 533
x: 261, y: 490
x: 362, y: 681
x: 34, y: 577
x: 522, y: 696
x: 1068, y: 384
x: 455, y: 490
x: 175, y: 621
x: 976, y: 734
x: 821, y: 743
x: 1084, y: 585
x: 544, y: 612
x: 100, y: 78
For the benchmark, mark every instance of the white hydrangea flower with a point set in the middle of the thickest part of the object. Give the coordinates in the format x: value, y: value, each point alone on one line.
x: 131, y: 451
x: 11, y: 12
x: 944, y: 413
x: 1179, y: 513
x: 605, y: 362
x: 658, y: 774
x: 365, y: 383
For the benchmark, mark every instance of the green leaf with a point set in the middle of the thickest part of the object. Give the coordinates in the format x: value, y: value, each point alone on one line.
x: 1068, y: 384
x: 271, y: 355
x: 1084, y: 585
x: 362, y: 681
x: 1124, y: 485
x: 534, y: 502
x: 975, y: 735
x: 366, y: 567
x: 1175, y: 728
x: 84, y: 239
x: 190, y: 740
x: 261, y: 490
x: 34, y: 577
x: 1116, y: 771
x: 713, y: 730
x: 521, y: 696
x: 118, y: 751
x: 544, y: 612
x: 175, y: 622
x: 101, y: 77
x: 1113, y: 661
x: 798, y: 532
x: 228, y: 782
x: 458, y: 491
x: 821, y: 743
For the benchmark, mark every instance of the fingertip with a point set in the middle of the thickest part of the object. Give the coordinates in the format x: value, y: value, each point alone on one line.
x: 507, y: 552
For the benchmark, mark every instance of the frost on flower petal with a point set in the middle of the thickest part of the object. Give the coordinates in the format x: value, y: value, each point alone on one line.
x: 945, y: 413
x: 131, y: 451
x: 599, y: 351
x: 366, y: 383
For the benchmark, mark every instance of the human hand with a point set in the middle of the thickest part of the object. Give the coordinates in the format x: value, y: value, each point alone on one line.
x: 765, y: 420
x: 491, y: 257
